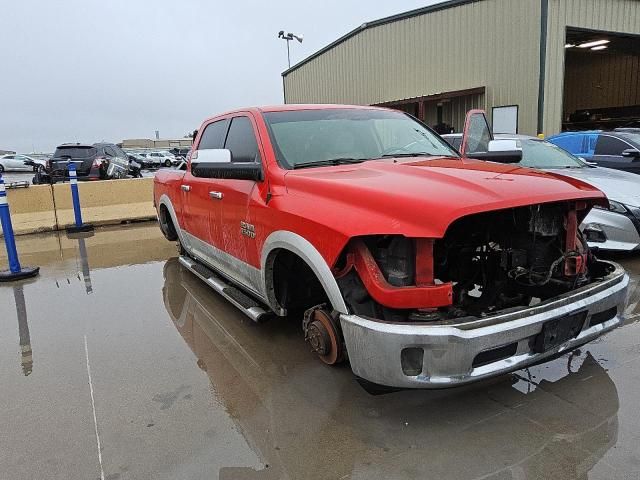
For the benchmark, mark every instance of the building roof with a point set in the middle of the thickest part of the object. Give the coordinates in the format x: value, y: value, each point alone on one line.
x: 382, y: 21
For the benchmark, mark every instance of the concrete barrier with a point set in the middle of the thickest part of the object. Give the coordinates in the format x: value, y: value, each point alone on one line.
x: 32, y: 209
x: 106, y: 202
x: 42, y: 208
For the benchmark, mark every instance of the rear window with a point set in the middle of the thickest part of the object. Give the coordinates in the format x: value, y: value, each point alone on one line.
x: 75, y: 152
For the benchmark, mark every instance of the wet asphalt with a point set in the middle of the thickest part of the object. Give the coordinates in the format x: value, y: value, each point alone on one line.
x: 117, y: 363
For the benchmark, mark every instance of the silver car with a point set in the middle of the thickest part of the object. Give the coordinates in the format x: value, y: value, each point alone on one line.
x: 617, y: 228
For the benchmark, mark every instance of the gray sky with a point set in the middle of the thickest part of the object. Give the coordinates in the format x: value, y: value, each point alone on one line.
x: 92, y: 70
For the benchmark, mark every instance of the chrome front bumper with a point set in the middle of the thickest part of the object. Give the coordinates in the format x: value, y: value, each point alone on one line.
x: 449, y: 350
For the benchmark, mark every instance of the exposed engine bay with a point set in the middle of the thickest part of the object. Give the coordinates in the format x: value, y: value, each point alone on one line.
x: 489, y: 262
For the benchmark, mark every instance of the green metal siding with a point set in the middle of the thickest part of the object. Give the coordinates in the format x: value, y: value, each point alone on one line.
x: 622, y: 16
x: 491, y: 43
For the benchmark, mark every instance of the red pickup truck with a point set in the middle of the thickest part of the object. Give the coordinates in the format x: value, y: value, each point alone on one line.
x: 421, y: 267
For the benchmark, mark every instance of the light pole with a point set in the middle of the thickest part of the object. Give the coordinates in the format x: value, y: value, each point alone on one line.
x: 288, y: 37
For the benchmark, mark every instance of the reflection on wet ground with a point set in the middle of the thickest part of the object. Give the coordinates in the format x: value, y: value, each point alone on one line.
x: 117, y: 350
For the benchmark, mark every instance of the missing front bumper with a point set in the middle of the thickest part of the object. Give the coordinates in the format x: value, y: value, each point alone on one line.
x: 380, y: 352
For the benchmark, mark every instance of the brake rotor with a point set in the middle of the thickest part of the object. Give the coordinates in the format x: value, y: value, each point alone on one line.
x: 322, y: 334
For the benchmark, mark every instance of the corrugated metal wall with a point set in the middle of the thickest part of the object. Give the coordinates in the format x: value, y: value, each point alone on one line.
x: 609, y: 15
x: 600, y: 81
x: 492, y: 43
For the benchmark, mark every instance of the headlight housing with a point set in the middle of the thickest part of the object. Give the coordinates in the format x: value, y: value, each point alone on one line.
x: 614, y: 206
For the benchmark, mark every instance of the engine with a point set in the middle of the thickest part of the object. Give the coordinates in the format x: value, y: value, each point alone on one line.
x: 492, y: 261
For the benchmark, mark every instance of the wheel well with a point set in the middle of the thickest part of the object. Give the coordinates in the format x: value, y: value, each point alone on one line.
x: 166, y: 223
x: 295, y: 286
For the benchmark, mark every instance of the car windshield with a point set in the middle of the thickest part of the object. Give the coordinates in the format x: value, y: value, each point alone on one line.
x: 332, y: 136
x: 541, y: 154
x: 633, y: 138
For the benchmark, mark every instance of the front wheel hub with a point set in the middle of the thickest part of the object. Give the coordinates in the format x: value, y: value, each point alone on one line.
x: 323, y: 335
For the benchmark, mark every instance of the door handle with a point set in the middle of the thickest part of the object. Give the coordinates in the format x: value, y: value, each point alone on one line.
x: 215, y: 195
x: 185, y: 188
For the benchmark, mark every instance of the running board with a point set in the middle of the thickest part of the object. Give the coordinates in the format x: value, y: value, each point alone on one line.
x: 250, y: 307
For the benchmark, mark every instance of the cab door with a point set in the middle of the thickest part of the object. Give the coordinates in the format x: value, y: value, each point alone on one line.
x: 232, y: 227
x: 198, y: 209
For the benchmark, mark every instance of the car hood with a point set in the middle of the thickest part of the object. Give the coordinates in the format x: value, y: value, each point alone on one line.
x: 623, y: 187
x: 420, y: 197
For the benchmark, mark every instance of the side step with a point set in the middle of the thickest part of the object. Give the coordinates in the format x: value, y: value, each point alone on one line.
x: 250, y: 307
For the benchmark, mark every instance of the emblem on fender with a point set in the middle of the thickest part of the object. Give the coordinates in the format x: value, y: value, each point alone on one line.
x: 248, y: 229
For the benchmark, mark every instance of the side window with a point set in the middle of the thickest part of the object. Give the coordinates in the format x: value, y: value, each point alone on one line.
x: 610, y: 146
x: 213, y: 135
x: 241, y: 140
x: 110, y: 152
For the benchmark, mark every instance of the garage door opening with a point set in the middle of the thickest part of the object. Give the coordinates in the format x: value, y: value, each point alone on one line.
x: 602, y: 80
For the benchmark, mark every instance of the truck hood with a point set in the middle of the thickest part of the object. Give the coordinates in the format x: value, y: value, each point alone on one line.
x: 620, y: 186
x: 421, y: 197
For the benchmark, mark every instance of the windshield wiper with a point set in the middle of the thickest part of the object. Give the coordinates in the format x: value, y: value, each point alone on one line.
x: 331, y: 161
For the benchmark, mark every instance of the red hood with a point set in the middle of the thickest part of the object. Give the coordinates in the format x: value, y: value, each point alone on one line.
x: 420, y: 197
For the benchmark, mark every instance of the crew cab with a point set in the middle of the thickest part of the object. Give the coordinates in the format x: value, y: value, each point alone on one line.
x: 421, y: 267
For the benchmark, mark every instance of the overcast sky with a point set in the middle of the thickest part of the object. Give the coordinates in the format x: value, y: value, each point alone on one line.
x: 93, y: 70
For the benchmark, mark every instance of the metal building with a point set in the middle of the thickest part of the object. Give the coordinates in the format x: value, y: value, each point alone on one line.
x: 536, y: 66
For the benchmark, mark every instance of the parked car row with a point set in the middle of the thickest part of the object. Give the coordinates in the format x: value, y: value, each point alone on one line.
x: 154, y: 158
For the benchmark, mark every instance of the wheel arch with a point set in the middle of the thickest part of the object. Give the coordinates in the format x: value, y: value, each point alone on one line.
x: 298, y: 245
x: 166, y: 202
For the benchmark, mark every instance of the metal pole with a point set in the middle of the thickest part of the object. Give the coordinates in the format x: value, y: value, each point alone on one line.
x: 288, y: 54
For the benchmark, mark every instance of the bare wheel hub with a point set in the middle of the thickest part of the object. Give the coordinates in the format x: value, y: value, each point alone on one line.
x: 322, y: 333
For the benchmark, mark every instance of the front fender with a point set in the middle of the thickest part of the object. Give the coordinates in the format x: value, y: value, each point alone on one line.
x: 297, y: 244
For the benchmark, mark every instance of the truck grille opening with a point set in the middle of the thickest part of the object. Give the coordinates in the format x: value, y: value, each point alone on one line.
x: 495, y: 354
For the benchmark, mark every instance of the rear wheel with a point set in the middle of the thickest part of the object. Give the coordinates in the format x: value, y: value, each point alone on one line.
x: 167, y: 163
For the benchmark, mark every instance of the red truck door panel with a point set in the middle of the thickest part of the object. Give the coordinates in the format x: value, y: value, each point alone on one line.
x: 217, y: 209
x: 232, y: 232
x: 199, y: 209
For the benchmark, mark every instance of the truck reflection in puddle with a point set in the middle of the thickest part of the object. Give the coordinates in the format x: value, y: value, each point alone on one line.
x: 306, y: 420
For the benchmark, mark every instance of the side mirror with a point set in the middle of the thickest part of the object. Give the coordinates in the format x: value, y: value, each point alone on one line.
x: 216, y: 163
x: 502, y: 151
x: 631, y: 153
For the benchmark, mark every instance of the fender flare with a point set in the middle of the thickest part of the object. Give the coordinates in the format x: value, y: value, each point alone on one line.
x: 166, y: 201
x: 286, y: 240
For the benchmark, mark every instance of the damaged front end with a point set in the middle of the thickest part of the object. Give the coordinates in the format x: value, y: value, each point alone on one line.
x: 487, y: 298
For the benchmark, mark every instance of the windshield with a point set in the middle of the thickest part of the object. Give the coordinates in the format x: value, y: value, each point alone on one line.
x: 541, y: 154
x: 631, y: 137
x: 315, y: 136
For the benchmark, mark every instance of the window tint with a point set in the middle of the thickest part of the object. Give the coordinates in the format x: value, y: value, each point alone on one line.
x: 610, y: 146
x: 110, y: 152
x: 75, y: 152
x: 213, y: 135
x: 241, y: 140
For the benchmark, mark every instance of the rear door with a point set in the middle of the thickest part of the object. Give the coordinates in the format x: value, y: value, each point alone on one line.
x: 608, y: 153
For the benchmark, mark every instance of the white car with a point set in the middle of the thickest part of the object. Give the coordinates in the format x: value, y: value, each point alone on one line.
x: 161, y: 158
x: 21, y: 163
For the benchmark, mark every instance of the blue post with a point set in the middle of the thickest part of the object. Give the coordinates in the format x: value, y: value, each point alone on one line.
x: 15, y: 271
x: 75, y: 196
